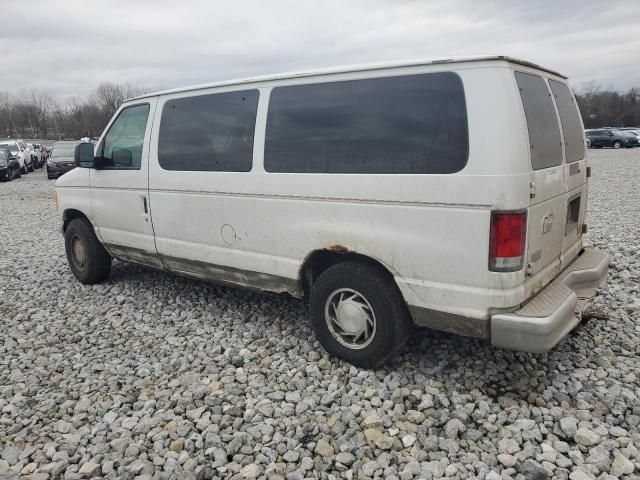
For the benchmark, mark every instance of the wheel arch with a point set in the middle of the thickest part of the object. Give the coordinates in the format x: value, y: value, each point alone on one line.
x: 317, y: 261
x: 71, y: 214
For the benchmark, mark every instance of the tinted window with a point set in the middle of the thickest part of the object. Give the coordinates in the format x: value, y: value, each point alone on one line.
x: 570, y: 120
x: 406, y: 124
x: 209, y: 132
x: 542, y: 122
x: 122, y: 148
x: 3, y: 155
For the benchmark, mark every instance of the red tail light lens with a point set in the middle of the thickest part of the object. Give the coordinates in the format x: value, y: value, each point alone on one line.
x: 507, y: 241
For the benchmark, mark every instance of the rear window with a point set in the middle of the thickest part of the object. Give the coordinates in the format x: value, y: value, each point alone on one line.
x: 406, y: 124
x: 63, y: 151
x: 208, y: 132
x: 544, y: 133
x: 570, y: 120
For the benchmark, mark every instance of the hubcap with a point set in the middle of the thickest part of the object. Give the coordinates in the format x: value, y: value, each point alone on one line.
x: 79, y: 252
x: 350, y: 318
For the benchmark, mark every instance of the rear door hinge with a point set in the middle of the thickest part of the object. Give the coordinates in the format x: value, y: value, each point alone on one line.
x: 532, y: 189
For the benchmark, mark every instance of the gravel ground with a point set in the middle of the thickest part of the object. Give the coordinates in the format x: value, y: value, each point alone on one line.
x: 154, y: 376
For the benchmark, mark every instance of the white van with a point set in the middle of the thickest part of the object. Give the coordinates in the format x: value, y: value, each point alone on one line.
x: 446, y: 194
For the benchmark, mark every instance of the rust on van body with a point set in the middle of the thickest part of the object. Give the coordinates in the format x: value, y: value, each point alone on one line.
x: 338, y: 248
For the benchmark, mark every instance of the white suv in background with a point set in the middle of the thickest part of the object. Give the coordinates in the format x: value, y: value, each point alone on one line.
x: 21, y: 151
x: 36, y: 155
x: 376, y: 192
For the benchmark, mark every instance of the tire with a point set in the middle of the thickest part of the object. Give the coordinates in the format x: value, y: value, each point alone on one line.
x: 617, y: 144
x: 375, y: 293
x: 31, y: 169
x: 87, y: 258
x: 17, y: 173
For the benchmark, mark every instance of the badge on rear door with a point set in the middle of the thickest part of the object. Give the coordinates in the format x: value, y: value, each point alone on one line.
x: 547, y: 223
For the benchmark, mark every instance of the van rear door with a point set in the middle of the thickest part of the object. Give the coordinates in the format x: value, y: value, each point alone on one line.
x: 545, y: 229
x: 575, y: 169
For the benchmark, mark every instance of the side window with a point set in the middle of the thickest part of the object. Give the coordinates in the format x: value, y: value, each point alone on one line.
x: 542, y: 122
x: 570, y: 120
x: 209, y: 132
x: 122, y: 146
x: 410, y: 124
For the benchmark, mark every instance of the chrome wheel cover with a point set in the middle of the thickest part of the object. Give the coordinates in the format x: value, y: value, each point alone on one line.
x: 350, y: 318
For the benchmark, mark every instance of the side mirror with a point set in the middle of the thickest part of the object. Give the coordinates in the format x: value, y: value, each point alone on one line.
x: 122, y: 157
x: 83, y: 155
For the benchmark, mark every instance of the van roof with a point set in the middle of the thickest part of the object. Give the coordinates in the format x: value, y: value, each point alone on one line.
x: 352, y: 68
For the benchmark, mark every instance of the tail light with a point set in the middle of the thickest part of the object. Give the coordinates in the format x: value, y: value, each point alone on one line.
x: 507, y: 241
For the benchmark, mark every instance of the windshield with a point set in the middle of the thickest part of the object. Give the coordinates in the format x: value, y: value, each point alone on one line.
x: 63, y: 150
x: 12, y: 147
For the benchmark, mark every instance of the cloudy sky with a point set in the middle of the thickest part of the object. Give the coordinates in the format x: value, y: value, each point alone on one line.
x: 69, y: 46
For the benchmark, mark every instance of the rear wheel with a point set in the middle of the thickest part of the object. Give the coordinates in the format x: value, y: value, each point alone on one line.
x: 88, y: 260
x: 358, y: 314
x: 617, y: 144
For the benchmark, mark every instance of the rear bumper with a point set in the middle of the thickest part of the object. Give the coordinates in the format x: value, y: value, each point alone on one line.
x: 555, y: 311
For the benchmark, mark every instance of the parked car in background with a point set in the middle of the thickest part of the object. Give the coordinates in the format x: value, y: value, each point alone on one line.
x: 373, y: 191
x: 41, y: 153
x: 36, y: 156
x: 612, y: 138
x: 9, y: 166
x: 632, y: 131
x: 61, y: 159
x: 19, y: 149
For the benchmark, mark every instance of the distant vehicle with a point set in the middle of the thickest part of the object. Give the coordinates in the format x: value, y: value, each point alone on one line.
x: 36, y: 156
x: 19, y: 149
x: 632, y: 131
x: 611, y: 138
x: 61, y: 159
x: 9, y: 166
x: 42, y: 154
x: 372, y: 191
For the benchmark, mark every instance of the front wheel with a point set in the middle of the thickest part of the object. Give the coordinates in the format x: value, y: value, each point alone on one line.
x: 358, y: 314
x: 31, y: 169
x: 88, y: 260
x: 617, y: 144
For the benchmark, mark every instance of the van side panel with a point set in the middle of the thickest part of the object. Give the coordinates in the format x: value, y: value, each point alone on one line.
x: 426, y: 229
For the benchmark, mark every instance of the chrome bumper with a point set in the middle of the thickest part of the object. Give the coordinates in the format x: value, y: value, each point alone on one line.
x: 555, y: 311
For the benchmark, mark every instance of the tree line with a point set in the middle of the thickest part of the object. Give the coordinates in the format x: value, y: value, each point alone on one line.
x: 608, y: 108
x: 39, y: 114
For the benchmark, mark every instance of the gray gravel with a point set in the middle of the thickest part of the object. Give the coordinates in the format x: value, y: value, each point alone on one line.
x: 154, y: 376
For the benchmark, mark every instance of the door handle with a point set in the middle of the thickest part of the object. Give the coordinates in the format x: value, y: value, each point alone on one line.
x: 144, y: 204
